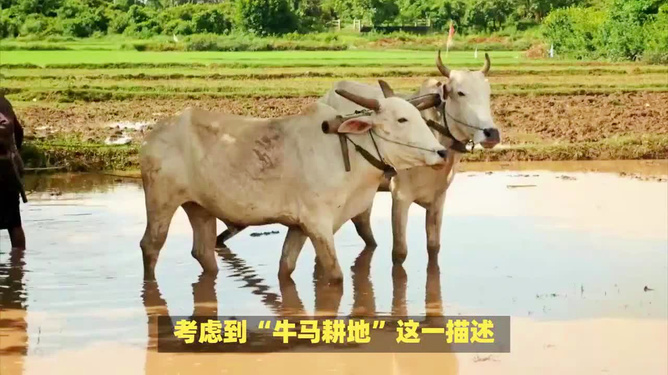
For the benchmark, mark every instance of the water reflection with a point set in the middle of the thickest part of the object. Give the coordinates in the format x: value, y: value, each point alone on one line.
x: 578, y: 263
x: 76, y: 183
x: 289, y: 304
x: 13, y: 324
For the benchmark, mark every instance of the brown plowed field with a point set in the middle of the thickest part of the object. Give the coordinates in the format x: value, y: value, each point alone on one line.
x: 521, y: 118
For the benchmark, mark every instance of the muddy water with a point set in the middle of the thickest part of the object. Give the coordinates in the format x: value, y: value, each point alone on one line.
x: 567, y: 250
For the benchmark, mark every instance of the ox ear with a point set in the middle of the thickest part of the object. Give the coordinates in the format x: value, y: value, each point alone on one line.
x: 444, y: 90
x: 355, y: 126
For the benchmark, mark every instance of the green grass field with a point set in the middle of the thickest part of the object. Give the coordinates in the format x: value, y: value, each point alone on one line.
x: 387, y: 58
x: 123, y: 75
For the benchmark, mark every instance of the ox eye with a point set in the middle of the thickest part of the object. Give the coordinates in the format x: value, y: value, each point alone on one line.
x: 403, y: 119
x: 460, y: 93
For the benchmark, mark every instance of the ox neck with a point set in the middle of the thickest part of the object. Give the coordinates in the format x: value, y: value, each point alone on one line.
x: 448, y: 121
x: 366, y: 146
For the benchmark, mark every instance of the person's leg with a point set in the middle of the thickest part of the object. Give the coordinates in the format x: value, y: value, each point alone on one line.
x: 17, y: 238
x: 11, y: 219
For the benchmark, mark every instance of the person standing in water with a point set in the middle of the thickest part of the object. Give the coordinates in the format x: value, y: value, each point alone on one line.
x: 11, y: 172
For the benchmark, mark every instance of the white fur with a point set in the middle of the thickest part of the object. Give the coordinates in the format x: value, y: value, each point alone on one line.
x: 425, y: 185
x: 283, y: 170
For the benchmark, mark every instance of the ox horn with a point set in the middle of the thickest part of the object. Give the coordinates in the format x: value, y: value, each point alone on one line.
x: 332, y: 126
x: 367, y: 103
x: 485, y: 68
x: 426, y: 101
x: 442, y: 68
x: 387, y: 90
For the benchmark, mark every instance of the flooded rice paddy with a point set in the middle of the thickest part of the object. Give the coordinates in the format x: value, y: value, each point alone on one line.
x: 575, y: 253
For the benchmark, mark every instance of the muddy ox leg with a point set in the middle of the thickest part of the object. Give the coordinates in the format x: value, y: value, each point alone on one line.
x: 204, y: 236
x: 159, y: 215
x: 433, y: 225
x: 294, y: 242
x: 399, y: 221
x: 363, y: 227
x: 322, y: 237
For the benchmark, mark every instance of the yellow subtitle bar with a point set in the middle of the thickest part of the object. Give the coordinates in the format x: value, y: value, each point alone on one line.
x: 333, y: 331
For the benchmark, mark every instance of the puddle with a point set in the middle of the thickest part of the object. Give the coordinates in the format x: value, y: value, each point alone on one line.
x: 579, y: 262
x: 123, y: 125
x: 123, y: 130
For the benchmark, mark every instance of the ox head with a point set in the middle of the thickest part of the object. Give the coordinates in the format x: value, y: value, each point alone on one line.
x: 467, y: 103
x: 400, y: 132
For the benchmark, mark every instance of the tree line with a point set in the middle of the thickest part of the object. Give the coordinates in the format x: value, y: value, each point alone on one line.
x: 612, y: 29
x: 85, y: 18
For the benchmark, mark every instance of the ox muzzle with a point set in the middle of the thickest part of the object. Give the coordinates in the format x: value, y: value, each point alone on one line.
x: 492, y: 137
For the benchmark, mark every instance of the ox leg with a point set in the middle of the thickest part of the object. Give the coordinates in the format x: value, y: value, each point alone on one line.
x: 228, y: 233
x: 159, y: 216
x: 399, y: 221
x: 433, y: 225
x: 363, y: 227
x: 294, y: 242
x: 204, y: 236
x: 322, y: 238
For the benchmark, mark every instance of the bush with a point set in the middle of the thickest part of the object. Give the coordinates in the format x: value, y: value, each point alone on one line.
x: 627, y: 30
x: 118, y: 22
x: 310, y: 15
x: 81, y: 20
x: 43, y: 7
x: 144, y: 29
x: 238, y: 42
x: 35, y: 24
x: 180, y: 27
x: 656, y: 51
x: 211, y: 20
x: 266, y: 17
x: 10, y: 24
x: 574, y: 31
x: 80, y: 27
x: 623, y: 33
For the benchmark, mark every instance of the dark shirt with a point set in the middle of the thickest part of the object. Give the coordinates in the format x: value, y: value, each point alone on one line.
x: 9, y: 127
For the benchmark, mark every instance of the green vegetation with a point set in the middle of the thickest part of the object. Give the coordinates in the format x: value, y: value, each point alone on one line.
x: 130, y: 59
x: 624, y: 30
x: 95, y: 76
x: 74, y: 68
x: 239, y: 41
x: 582, y: 29
x: 85, y: 18
x: 266, y: 17
x: 82, y: 157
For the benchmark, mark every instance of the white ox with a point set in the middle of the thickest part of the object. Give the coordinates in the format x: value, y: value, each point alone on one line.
x: 469, y: 119
x: 253, y: 171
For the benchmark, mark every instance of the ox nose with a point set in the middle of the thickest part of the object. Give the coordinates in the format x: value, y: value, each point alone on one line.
x: 442, y: 153
x: 492, y: 137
